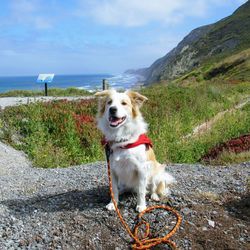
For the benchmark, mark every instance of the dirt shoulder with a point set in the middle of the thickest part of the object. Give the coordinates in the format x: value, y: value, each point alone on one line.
x: 14, y: 101
x: 64, y: 208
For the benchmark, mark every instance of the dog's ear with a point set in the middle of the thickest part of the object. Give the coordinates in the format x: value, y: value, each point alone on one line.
x: 102, y: 97
x: 136, y: 97
x: 102, y: 93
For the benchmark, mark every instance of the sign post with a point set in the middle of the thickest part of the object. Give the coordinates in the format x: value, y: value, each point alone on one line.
x: 45, y: 78
x: 104, y: 84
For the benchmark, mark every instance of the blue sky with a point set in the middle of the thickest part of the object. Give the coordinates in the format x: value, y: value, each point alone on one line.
x: 97, y: 36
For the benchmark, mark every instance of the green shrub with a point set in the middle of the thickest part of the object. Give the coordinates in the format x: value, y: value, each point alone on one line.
x: 53, y: 134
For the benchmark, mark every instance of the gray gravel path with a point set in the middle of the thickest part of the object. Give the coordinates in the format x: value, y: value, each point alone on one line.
x: 14, y: 101
x: 64, y: 208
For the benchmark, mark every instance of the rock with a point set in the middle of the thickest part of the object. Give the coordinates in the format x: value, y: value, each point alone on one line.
x: 211, y: 223
x: 186, y: 211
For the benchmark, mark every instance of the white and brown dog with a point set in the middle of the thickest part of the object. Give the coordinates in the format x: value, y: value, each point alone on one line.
x: 133, y: 163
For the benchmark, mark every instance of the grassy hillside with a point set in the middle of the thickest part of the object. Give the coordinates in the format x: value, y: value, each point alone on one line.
x: 234, y: 68
x: 64, y: 133
x: 173, y: 112
x: 227, y: 36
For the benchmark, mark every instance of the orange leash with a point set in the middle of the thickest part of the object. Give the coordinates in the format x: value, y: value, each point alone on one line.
x: 145, y: 242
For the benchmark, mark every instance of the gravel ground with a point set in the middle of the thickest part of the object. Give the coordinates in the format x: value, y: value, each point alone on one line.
x: 64, y: 208
x: 14, y: 101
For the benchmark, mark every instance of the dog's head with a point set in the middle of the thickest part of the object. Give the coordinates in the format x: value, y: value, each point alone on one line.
x: 116, y: 109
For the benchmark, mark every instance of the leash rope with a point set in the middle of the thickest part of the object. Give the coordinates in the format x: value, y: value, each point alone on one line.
x: 145, y: 242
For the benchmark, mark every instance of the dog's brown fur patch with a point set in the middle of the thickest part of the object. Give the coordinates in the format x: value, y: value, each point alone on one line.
x: 102, y: 106
x: 157, y: 167
x: 102, y: 101
x: 150, y: 154
x: 136, y: 100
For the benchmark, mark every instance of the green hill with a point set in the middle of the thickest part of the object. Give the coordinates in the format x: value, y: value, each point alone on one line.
x: 234, y: 69
x: 204, y: 45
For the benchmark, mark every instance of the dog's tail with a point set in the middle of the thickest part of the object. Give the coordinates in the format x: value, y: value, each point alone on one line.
x: 164, y: 180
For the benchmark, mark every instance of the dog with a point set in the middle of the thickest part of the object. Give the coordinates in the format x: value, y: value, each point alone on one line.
x: 132, y: 160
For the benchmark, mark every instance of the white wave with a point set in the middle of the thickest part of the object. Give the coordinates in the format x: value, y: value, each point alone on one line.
x: 124, y: 81
x: 121, y: 81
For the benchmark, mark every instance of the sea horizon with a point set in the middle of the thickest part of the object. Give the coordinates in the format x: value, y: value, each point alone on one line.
x: 88, y: 82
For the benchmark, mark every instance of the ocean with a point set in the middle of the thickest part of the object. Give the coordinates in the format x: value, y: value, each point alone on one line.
x: 88, y: 82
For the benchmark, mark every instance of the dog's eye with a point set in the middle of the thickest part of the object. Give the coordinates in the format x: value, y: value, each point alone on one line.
x: 109, y: 102
x: 124, y: 103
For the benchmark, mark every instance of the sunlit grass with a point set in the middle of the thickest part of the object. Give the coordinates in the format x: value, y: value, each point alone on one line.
x: 227, y: 158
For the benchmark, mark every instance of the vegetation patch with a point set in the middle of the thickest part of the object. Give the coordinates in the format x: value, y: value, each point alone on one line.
x: 228, y: 157
x: 64, y: 133
x: 173, y: 111
x: 54, y: 134
x: 232, y: 69
x: 51, y: 92
x: 231, y: 151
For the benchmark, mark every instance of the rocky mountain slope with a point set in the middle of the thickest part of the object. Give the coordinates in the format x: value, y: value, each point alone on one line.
x: 208, y: 43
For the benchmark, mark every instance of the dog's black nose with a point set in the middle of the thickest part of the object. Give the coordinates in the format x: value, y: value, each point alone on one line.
x: 112, y: 110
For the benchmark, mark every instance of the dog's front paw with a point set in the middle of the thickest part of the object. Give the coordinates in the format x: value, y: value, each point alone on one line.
x: 111, y: 206
x: 155, y: 197
x: 140, y: 208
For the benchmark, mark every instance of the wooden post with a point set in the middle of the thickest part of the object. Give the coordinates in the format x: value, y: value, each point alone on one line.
x: 46, y: 89
x: 104, y: 84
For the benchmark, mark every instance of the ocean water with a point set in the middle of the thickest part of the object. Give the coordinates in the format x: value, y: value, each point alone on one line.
x: 88, y: 82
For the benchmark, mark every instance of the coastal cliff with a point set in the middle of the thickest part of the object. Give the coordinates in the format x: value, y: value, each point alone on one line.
x: 210, y: 43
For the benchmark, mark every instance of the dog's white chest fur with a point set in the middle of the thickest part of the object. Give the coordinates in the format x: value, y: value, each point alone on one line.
x: 124, y: 163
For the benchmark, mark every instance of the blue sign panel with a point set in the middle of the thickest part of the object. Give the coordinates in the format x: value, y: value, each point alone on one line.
x: 45, y: 78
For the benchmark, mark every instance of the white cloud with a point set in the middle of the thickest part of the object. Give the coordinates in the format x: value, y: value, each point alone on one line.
x: 42, y: 23
x: 134, y: 13
x: 138, y: 13
x: 31, y: 13
x: 23, y: 6
x: 8, y: 52
x: 227, y: 2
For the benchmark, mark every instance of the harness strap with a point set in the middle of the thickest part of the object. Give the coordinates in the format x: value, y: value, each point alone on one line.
x: 142, y: 139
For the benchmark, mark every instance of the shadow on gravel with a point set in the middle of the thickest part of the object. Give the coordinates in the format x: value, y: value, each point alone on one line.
x: 240, y: 208
x: 66, y: 201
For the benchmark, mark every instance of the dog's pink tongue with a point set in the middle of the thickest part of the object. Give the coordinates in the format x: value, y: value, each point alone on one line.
x: 115, y: 121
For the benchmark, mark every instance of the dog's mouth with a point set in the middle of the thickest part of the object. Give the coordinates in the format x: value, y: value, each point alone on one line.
x: 116, y: 121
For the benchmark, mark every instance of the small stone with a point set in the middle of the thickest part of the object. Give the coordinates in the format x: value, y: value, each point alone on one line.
x: 186, y: 211
x: 211, y: 223
x: 22, y: 243
x: 204, y: 229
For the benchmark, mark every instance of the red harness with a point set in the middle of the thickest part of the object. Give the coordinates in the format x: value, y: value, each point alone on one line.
x: 142, y: 139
